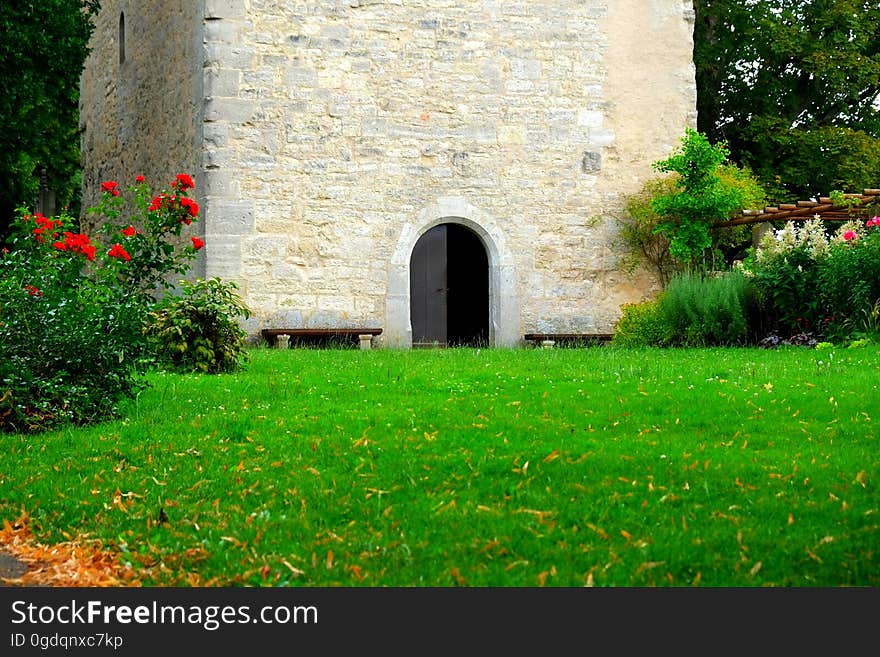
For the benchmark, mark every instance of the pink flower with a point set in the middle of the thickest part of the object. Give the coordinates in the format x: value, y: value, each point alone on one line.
x: 872, y: 222
x: 849, y: 235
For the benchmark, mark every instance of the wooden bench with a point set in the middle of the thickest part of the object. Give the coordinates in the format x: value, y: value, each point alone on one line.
x: 286, y: 337
x: 548, y: 340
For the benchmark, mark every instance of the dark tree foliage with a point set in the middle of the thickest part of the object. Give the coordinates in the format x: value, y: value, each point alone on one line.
x: 43, y: 46
x: 791, y: 86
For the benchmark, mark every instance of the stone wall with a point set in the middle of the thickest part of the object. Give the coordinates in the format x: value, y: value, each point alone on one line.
x: 142, y: 114
x: 336, y: 132
x: 331, y: 128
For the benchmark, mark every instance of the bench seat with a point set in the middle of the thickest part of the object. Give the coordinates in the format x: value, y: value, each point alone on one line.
x: 551, y: 339
x: 320, y: 336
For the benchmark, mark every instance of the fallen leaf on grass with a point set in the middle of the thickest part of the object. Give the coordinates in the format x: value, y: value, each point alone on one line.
x: 363, y: 441
x: 296, y: 571
x: 74, y: 563
x: 445, y: 507
x: 542, y: 577
x: 598, y: 530
x: 648, y: 565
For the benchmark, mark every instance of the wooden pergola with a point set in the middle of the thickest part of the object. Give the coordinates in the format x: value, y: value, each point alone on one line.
x: 855, y: 206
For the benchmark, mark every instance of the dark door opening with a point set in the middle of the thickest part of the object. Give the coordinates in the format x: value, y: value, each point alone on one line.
x: 449, y: 288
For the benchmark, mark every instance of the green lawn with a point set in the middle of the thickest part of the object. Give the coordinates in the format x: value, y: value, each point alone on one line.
x: 563, y: 467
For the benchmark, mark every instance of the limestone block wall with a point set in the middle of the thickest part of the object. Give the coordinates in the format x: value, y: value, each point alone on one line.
x: 141, y: 96
x: 327, y: 136
x: 333, y: 130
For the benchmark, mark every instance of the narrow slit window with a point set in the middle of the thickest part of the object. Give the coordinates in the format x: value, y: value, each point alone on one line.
x: 121, y: 38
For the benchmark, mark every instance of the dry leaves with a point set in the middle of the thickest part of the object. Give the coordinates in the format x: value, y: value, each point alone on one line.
x: 76, y: 562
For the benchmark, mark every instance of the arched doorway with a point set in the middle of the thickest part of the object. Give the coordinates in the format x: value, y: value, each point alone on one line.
x: 449, y: 288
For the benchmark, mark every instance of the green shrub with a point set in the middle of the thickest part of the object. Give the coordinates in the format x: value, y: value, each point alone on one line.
x: 808, y: 282
x: 198, y: 331
x: 849, y: 282
x: 705, y: 310
x: 641, y: 325
x: 785, y: 276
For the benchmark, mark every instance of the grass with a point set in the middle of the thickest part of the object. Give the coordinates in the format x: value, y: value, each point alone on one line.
x: 598, y: 466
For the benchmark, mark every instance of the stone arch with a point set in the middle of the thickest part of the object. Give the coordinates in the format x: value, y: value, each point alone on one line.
x: 504, y: 328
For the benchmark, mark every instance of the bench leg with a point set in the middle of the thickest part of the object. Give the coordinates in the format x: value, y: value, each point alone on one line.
x: 282, y: 341
x: 547, y: 344
x: 366, y: 341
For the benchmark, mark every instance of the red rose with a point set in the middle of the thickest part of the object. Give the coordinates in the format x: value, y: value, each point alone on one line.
x: 139, y: 179
x: 44, y: 224
x: 191, y: 206
x: 197, y: 243
x: 183, y: 181
x: 118, y: 252
x: 131, y: 231
x: 79, y: 244
x: 110, y: 186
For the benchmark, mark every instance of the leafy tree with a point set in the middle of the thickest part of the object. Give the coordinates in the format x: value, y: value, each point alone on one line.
x: 706, y: 190
x: 791, y: 87
x: 44, y: 45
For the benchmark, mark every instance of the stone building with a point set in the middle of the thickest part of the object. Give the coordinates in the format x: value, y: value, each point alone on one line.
x: 446, y: 170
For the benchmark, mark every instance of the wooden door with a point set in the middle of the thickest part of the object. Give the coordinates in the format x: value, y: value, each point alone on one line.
x: 428, y: 288
x: 449, y: 288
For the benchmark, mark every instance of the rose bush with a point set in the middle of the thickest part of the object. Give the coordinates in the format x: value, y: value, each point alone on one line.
x: 73, y: 305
